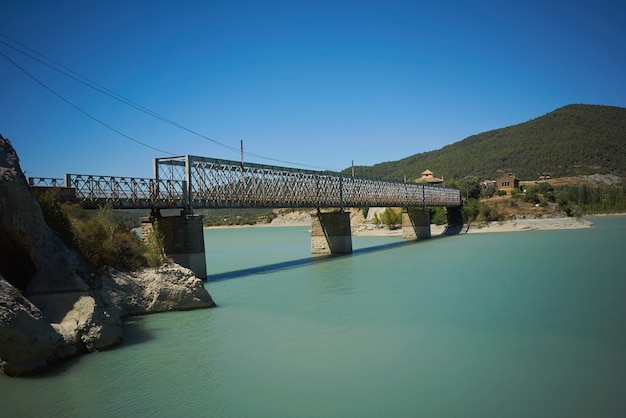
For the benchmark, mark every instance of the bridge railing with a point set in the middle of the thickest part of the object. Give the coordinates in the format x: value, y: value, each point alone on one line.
x: 45, y: 182
x: 127, y: 192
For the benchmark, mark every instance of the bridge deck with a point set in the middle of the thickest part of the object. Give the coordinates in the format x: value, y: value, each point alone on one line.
x: 198, y: 182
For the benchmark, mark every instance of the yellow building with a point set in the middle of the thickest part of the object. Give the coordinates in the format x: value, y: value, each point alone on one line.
x: 428, y: 177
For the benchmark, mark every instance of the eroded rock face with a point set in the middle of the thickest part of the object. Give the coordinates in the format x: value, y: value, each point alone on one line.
x: 48, y: 309
x: 32, y: 256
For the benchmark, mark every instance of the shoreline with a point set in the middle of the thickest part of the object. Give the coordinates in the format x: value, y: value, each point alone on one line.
x: 539, y: 224
x: 513, y: 225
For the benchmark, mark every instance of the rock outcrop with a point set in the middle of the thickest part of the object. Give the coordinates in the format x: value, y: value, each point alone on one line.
x: 32, y: 256
x: 91, y: 324
x: 50, y: 305
x: 27, y: 340
x: 171, y: 287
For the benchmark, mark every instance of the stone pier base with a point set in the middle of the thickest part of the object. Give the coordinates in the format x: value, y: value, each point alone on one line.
x: 183, y: 239
x: 415, y: 224
x: 330, y: 233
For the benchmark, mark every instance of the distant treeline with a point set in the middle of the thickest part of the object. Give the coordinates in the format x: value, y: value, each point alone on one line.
x: 570, y: 200
x: 578, y: 200
x: 586, y: 200
x: 231, y: 217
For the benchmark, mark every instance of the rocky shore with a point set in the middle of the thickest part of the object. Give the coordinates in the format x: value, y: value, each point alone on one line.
x: 51, y: 305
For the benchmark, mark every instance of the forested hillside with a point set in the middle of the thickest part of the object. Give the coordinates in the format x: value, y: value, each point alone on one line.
x: 572, y: 140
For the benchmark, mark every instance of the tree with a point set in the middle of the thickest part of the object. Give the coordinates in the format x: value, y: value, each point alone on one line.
x: 438, y: 216
x: 391, y: 218
x: 470, y: 187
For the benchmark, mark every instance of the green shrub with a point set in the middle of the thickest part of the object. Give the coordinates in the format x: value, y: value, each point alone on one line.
x: 488, y: 192
x: 391, y: 218
x: 90, y: 239
x: 438, y: 216
x: 105, y: 242
x: 101, y: 237
x: 488, y: 213
x: 55, y: 217
x: 155, y: 250
x: 471, y: 209
x: 531, y: 196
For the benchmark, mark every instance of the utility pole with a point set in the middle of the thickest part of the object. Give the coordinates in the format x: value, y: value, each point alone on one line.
x: 241, y: 146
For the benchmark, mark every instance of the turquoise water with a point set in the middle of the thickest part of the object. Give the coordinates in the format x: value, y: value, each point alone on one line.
x: 481, y: 325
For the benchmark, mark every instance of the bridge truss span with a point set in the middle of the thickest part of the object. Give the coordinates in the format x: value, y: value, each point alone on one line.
x: 189, y: 182
x: 127, y: 192
x: 215, y: 183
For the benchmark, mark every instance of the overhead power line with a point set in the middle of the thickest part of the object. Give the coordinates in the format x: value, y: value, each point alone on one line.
x: 50, y: 63
x: 89, y: 115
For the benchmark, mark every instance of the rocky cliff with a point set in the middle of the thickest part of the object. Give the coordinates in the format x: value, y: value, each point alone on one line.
x: 51, y: 306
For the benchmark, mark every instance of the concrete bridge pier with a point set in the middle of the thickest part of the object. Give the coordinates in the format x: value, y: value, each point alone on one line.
x: 183, y: 239
x: 455, y: 220
x: 330, y: 233
x: 415, y: 223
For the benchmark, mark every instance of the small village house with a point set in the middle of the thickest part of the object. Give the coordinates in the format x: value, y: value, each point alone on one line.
x: 508, y: 182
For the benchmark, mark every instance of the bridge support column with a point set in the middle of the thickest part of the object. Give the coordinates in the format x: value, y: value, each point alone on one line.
x: 416, y: 223
x: 455, y: 220
x: 183, y: 239
x: 330, y: 233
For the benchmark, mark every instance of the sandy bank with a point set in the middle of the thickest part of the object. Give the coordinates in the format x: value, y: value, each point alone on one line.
x: 515, y: 225
x: 540, y: 224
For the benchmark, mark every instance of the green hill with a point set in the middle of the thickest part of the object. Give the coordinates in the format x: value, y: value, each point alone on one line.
x: 572, y: 140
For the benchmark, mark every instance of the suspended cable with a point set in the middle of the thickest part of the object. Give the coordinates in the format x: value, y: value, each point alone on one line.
x: 94, y: 85
x: 89, y: 115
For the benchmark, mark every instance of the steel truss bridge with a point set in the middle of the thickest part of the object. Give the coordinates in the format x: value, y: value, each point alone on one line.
x: 191, y: 182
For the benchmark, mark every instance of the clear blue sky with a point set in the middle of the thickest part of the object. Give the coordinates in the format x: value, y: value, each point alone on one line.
x: 317, y: 83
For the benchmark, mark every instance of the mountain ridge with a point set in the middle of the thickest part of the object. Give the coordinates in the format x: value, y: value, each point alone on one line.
x: 575, y: 139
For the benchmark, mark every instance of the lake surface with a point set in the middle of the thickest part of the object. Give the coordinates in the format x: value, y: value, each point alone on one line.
x: 524, y: 324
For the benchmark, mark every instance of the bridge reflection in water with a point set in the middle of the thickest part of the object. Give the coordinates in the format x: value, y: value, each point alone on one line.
x: 192, y: 182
